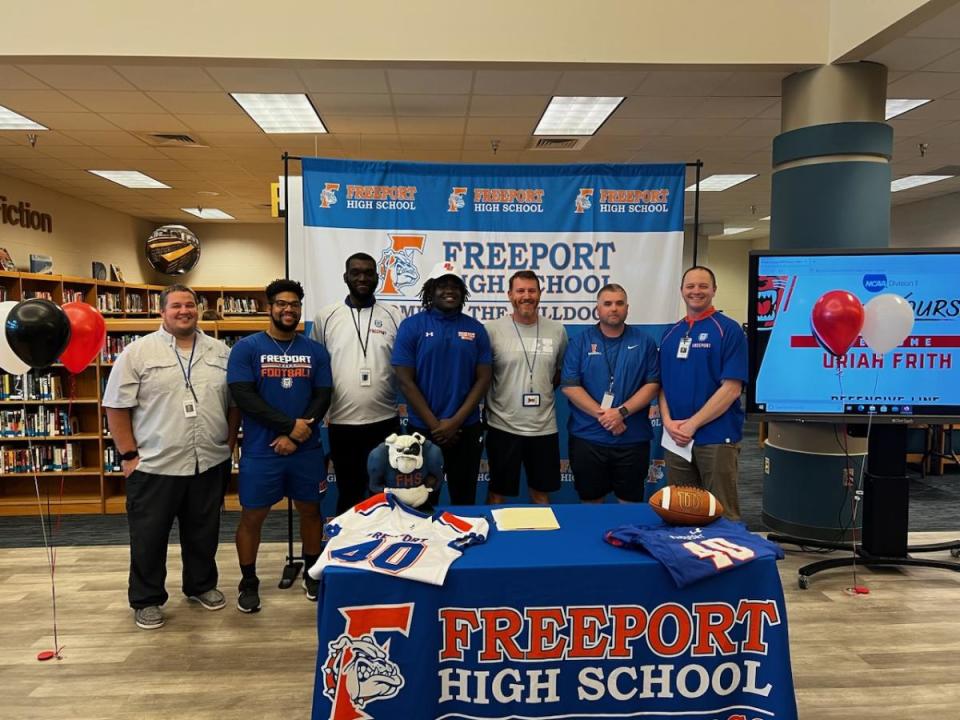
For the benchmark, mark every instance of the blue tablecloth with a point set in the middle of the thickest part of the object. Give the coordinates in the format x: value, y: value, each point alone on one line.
x: 555, y: 624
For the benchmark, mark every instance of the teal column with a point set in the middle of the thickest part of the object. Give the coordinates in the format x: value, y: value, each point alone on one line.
x: 830, y: 189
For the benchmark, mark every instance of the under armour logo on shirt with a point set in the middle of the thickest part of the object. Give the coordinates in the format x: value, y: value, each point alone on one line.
x: 428, y: 333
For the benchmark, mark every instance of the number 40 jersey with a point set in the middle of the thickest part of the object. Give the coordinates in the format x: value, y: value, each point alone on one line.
x: 383, y: 535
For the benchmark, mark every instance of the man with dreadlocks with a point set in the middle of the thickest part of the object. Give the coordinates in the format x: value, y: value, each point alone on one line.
x: 443, y: 364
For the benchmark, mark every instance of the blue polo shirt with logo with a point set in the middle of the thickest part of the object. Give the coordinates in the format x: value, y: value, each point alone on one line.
x: 718, y: 352
x: 589, y: 359
x: 444, y: 351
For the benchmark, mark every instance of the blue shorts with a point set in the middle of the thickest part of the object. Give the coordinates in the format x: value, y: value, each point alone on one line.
x: 264, y: 481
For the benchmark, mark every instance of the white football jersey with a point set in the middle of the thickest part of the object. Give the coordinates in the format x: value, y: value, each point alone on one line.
x: 383, y: 535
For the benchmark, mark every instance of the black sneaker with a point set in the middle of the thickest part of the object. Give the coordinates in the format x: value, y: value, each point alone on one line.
x: 311, y: 586
x: 249, y: 599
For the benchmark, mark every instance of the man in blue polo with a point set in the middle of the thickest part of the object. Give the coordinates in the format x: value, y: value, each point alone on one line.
x: 703, y: 365
x: 443, y: 364
x: 610, y: 375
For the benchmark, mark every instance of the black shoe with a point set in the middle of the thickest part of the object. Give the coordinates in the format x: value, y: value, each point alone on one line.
x: 249, y: 599
x: 311, y: 586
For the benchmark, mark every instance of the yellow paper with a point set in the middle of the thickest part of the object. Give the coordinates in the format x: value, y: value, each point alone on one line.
x: 541, y: 518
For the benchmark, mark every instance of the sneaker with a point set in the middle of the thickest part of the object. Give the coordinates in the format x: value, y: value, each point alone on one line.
x: 148, y: 618
x: 311, y: 586
x: 248, y: 601
x: 211, y: 599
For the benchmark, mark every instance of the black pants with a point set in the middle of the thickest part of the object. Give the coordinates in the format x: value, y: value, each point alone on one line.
x: 153, y: 501
x: 350, y: 446
x: 461, y: 464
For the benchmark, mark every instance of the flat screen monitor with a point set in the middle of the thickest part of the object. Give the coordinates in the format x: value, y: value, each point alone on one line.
x: 793, y: 378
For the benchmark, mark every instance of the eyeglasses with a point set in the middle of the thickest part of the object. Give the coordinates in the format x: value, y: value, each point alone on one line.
x: 283, y: 305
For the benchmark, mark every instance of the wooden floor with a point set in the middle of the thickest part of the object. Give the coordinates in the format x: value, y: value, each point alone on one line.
x: 892, y: 654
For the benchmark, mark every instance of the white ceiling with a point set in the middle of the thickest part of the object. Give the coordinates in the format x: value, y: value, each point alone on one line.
x: 100, y: 111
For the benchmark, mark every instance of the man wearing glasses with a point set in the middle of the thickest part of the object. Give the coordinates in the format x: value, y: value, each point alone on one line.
x: 281, y: 381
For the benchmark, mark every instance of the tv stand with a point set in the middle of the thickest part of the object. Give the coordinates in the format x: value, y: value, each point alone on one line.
x: 886, y: 511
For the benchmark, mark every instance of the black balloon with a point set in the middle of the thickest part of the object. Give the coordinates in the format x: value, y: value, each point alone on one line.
x: 38, y: 332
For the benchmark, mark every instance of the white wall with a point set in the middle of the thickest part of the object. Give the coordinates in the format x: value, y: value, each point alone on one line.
x: 237, y: 254
x: 926, y: 223
x: 82, y: 232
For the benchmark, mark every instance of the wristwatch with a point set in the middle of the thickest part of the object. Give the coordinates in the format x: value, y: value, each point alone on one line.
x: 129, y: 455
x: 623, y: 411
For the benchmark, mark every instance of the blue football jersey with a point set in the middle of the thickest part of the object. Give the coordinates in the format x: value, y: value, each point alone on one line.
x: 694, y: 553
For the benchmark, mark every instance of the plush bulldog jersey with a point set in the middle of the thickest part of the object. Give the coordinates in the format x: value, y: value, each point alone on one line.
x: 383, y: 535
x: 694, y: 553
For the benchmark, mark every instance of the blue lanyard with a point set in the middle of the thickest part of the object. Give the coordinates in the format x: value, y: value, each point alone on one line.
x: 611, y: 366
x: 186, y: 372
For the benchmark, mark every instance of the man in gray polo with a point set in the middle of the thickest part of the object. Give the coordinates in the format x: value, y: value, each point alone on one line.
x: 167, y: 405
x: 522, y: 421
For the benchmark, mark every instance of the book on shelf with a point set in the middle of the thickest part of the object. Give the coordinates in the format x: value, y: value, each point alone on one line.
x: 6, y: 262
x: 32, y: 386
x: 37, y: 294
x: 40, y: 458
x: 135, y: 303
x: 116, y: 344
x: 42, y: 264
x: 73, y: 296
x: 109, y: 302
x: 111, y: 459
x: 37, y: 422
x: 240, y: 305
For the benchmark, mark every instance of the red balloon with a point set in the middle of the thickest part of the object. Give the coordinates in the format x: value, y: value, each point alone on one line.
x: 87, y: 333
x: 837, y: 319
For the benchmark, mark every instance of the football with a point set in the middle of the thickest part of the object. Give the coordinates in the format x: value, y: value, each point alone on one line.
x: 686, y: 505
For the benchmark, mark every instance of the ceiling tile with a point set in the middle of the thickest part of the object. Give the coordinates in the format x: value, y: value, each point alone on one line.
x: 256, y: 79
x: 104, y: 138
x: 501, y: 126
x: 925, y: 84
x: 146, y: 122
x: 604, y: 83
x: 431, y: 105
x: 344, y: 80
x: 352, y: 104
x: 238, y: 122
x: 25, y: 101
x: 372, y: 125
x: 200, y: 103
x: 432, y: 142
x: 115, y: 102
x: 948, y: 63
x: 430, y: 126
x: 937, y: 110
x: 746, y: 83
x: 658, y: 107
x: 132, y: 152
x: 763, y: 127
x: 909, y: 127
x: 12, y: 78
x: 635, y: 126
x: 508, y: 105
x: 909, y: 53
x: 430, y: 81
x: 72, y: 121
x: 705, y: 126
x: 505, y: 143
x: 168, y: 77
x: 734, y: 107
x: 231, y: 139
x: 673, y: 83
x: 516, y: 82
x: 944, y: 25
x: 78, y: 76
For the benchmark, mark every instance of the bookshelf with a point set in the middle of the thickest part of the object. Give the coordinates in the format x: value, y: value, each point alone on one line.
x: 88, y: 484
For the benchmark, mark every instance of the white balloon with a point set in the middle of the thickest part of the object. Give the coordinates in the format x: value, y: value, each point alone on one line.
x: 888, y: 320
x: 9, y: 360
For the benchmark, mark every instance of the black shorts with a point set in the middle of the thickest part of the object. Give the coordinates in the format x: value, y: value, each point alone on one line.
x: 600, y: 469
x: 539, y: 455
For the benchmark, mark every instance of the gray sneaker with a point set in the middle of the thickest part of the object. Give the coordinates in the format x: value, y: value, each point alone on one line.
x: 148, y: 618
x: 211, y: 599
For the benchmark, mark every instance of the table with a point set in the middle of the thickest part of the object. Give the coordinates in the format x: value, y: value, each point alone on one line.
x: 554, y: 624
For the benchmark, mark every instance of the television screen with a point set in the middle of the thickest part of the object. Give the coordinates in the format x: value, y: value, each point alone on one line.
x: 793, y: 377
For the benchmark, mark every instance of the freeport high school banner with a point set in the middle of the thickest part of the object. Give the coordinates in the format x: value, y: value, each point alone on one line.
x: 577, y: 226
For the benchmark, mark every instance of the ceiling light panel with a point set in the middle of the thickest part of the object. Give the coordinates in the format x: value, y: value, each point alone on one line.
x: 281, y: 113
x: 912, y: 181
x: 9, y: 120
x: 718, y: 183
x: 208, y: 213
x: 899, y: 106
x: 735, y: 230
x: 131, y: 179
x: 576, y: 115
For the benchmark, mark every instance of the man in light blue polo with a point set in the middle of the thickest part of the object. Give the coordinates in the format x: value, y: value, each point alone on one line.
x: 703, y: 365
x: 443, y: 363
x: 610, y: 375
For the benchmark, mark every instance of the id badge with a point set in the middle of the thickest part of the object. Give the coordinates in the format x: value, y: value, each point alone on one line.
x: 531, y: 400
x: 366, y: 377
x: 190, y: 408
x: 683, y: 350
x: 607, y: 401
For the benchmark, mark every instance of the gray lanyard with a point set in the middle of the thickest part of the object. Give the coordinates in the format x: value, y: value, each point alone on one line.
x: 189, y: 369
x: 523, y: 347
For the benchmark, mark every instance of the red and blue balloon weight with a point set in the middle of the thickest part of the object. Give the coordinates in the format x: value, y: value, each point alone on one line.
x: 837, y: 319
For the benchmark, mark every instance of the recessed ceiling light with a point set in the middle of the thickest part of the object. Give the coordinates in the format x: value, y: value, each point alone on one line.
x: 130, y: 179
x: 912, y: 181
x: 208, y: 213
x: 576, y: 115
x: 899, y: 106
x: 9, y: 120
x: 765, y: 218
x: 735, y: 230
x: 717, y: 183
x: 281, y: 113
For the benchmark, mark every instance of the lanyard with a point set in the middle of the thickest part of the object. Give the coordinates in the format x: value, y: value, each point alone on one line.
x: 526, y: 358
x: 611, y: 366
x: 356, y: 324
x: 186, y: 372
